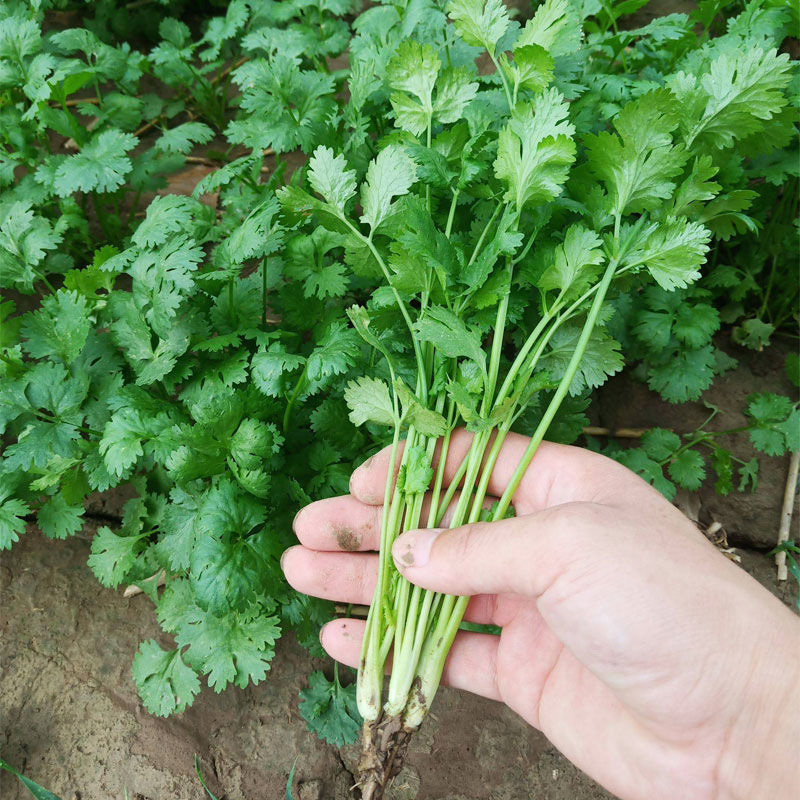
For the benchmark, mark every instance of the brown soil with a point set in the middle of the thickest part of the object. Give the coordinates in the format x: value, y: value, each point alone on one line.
x: 750, y: 519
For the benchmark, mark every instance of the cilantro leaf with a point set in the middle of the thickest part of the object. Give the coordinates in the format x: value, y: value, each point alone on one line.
x: 329, y: 176
x: 637, y: 460
x: 684, y: 375
x: 58, y: 519
x: 480, y: 23
x: 416, y: 473
x: 767, y: 413
x: 60, y: 328
x: 660, y: 444
x: 687, y: 469
x: 270, y: 366
x: 113, y: 555
x: 450, y: 335
x: 182, y: 138
x: 601, y: 359
x: 733, y: 99
x: 390, y: 174
x: 672, y: 252
x: 369, y: 401
x: 236, y: 648
x: 165, y: 683
x: 101, y: 166
x: 535, y: 150
x: 427, y: 421
x: 12, y: 522
x: 638, y: 166
x: 330, y: 710
x: 575, y: 262
x: 25, y: 238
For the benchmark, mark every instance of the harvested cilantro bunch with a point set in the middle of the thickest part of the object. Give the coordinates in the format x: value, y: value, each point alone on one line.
x: 502, y: 219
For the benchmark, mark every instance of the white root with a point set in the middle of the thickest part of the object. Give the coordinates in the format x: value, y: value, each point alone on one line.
x: 786, y: 514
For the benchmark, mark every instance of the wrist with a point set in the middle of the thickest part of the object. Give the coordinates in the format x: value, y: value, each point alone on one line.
x: 760, y: 761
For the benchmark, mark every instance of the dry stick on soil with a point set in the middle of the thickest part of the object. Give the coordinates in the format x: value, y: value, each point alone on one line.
x: 619, y: 433
x: 208, y: 162
x: 227, y: 71
x: 786, y: 514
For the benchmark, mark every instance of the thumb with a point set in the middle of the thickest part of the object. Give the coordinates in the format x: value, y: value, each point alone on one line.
x: 523, y: 555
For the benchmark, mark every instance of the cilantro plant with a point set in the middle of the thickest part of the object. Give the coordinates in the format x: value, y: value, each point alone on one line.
x: 189, y: 353
x: 502, y: 225
x: 669, y: 460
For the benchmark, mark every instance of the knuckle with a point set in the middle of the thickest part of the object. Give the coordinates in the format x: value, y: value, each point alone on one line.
x: 470, y: 540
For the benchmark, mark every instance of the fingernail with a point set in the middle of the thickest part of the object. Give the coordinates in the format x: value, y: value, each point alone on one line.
x: 297, y: 517
x: 283, y: 557
x: 413, y: 549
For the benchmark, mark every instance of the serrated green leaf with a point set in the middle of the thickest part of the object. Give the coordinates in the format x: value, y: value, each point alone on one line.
x: 165, y: 683
x: 390, y: 174
x: 113, y: 556
x: 687, y: 469
x: 535, y: 150
x: 101, y: 165
x: 58, y: 519
x: 660, y: 444
x: 369, y: 400
x: 480, y: 23
x: 416, y: 473
x: 329, y: 177
x: 330, y: 710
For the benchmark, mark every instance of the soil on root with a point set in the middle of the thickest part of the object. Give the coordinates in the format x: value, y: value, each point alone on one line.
x: 384, y: 744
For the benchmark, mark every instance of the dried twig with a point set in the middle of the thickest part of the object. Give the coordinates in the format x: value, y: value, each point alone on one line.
x: 786, y: 514
x: 146, y: 127
x: 227, y: 71
x: 619, y: 433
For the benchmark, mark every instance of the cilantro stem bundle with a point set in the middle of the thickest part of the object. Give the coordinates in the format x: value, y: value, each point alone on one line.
x: 487, y: 205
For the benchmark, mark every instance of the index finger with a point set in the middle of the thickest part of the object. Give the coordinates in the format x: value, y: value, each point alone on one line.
x: 557, y: 474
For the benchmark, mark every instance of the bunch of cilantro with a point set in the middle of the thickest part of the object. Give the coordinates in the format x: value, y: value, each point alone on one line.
x: 502, y: 215
x: 204, y: 356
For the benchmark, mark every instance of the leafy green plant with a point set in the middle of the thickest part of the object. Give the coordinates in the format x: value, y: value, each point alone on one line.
x: 669, y: 460
x: 473, y: 180
x: 330, y: 709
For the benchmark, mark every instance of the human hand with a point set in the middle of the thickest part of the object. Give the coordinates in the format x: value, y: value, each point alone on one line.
x: 651, y: 661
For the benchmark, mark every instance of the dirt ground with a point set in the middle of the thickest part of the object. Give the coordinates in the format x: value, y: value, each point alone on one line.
x: 70, y: 716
